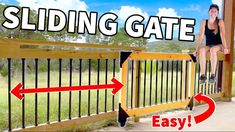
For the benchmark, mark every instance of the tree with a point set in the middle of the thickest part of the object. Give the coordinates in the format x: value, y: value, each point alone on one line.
x: 170, y: 47
x: 122, y: 38
x: 17, y: 33
x: 99, y: 38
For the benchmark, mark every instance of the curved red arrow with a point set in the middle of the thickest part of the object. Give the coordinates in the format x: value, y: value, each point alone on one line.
x: 116, y: 86
x: 199, y: 118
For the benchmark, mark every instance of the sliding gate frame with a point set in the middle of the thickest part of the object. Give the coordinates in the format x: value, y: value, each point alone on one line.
x: 124, y: 112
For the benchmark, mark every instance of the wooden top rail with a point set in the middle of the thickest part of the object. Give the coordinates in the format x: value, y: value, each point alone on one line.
x: 12, y: 48
x: 12, y: 51
x: 220, y: 55
x: 67, y: 44
x: 158, y: 56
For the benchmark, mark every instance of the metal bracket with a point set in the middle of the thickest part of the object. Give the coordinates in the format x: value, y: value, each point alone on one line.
x: 122, y: 116
x: 193, y: 58
x: 123, y: 57
x: 191, y: 103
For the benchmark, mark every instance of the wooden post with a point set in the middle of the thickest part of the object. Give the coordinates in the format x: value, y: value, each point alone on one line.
x: 229, y: 18
x: 124, y: 72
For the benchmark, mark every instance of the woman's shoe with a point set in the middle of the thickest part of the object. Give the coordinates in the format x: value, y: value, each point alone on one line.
x: 212, y: 78
x: 202, y: 79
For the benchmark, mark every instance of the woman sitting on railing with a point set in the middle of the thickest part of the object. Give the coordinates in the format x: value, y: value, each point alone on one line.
x: 214, y: 30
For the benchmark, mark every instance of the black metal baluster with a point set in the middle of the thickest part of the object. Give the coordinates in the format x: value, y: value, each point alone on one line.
x: 162, y: 80
x: 202, y: 89
x: 181, y: 80
x: 176, y: 88
x: 195, y: 79
x: 207, y: 80
x: 132, y: 79
x: 216, y: 82
x: 150, y: 86
x: 186, y: 80
x: 172, y: 74
x: 98, y: 82
x: 167, y: 69
x: 80, y: 92
x: 209, y: 74
x: 9, y: 94
x: 138, y: 83
x: 89, y: 83
x: 23, y: 86
x: 212, y: 85
x: 145, y: 64
x: 106, y: 82
x: 156, y: 83
x: 59, y: 100
x: 220, y: 73
x: 70, y: 84
x: 48, y: 94
x: 36, y: 95
x: 114, y: 66
x: 198, y: 84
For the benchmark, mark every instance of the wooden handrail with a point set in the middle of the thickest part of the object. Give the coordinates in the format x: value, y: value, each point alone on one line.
x: 67, y: 44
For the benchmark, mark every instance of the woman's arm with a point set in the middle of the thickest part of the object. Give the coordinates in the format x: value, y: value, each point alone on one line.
x: 200, y: 37
x: 222, y: 35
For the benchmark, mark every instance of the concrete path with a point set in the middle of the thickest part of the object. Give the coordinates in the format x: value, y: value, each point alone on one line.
x: 223, y: 119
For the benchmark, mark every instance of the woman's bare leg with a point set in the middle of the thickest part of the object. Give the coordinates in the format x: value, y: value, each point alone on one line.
x: 213, y: 57
x: 202, y: 59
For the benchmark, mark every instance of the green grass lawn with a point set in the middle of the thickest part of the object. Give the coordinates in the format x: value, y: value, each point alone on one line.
x: 16, y: 105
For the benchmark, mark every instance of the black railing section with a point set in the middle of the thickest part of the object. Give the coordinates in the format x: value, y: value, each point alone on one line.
x: 47, y: 107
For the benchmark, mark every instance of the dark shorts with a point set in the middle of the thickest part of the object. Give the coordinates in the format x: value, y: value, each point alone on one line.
x: 211, y: 45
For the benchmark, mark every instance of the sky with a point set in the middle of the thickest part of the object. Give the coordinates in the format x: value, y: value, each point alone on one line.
x: 197, y: 9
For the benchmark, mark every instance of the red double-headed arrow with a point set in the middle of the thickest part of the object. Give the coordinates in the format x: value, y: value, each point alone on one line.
x: 17, y: 91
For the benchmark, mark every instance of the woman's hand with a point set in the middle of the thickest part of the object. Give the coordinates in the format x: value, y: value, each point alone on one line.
x: 226, y: 51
